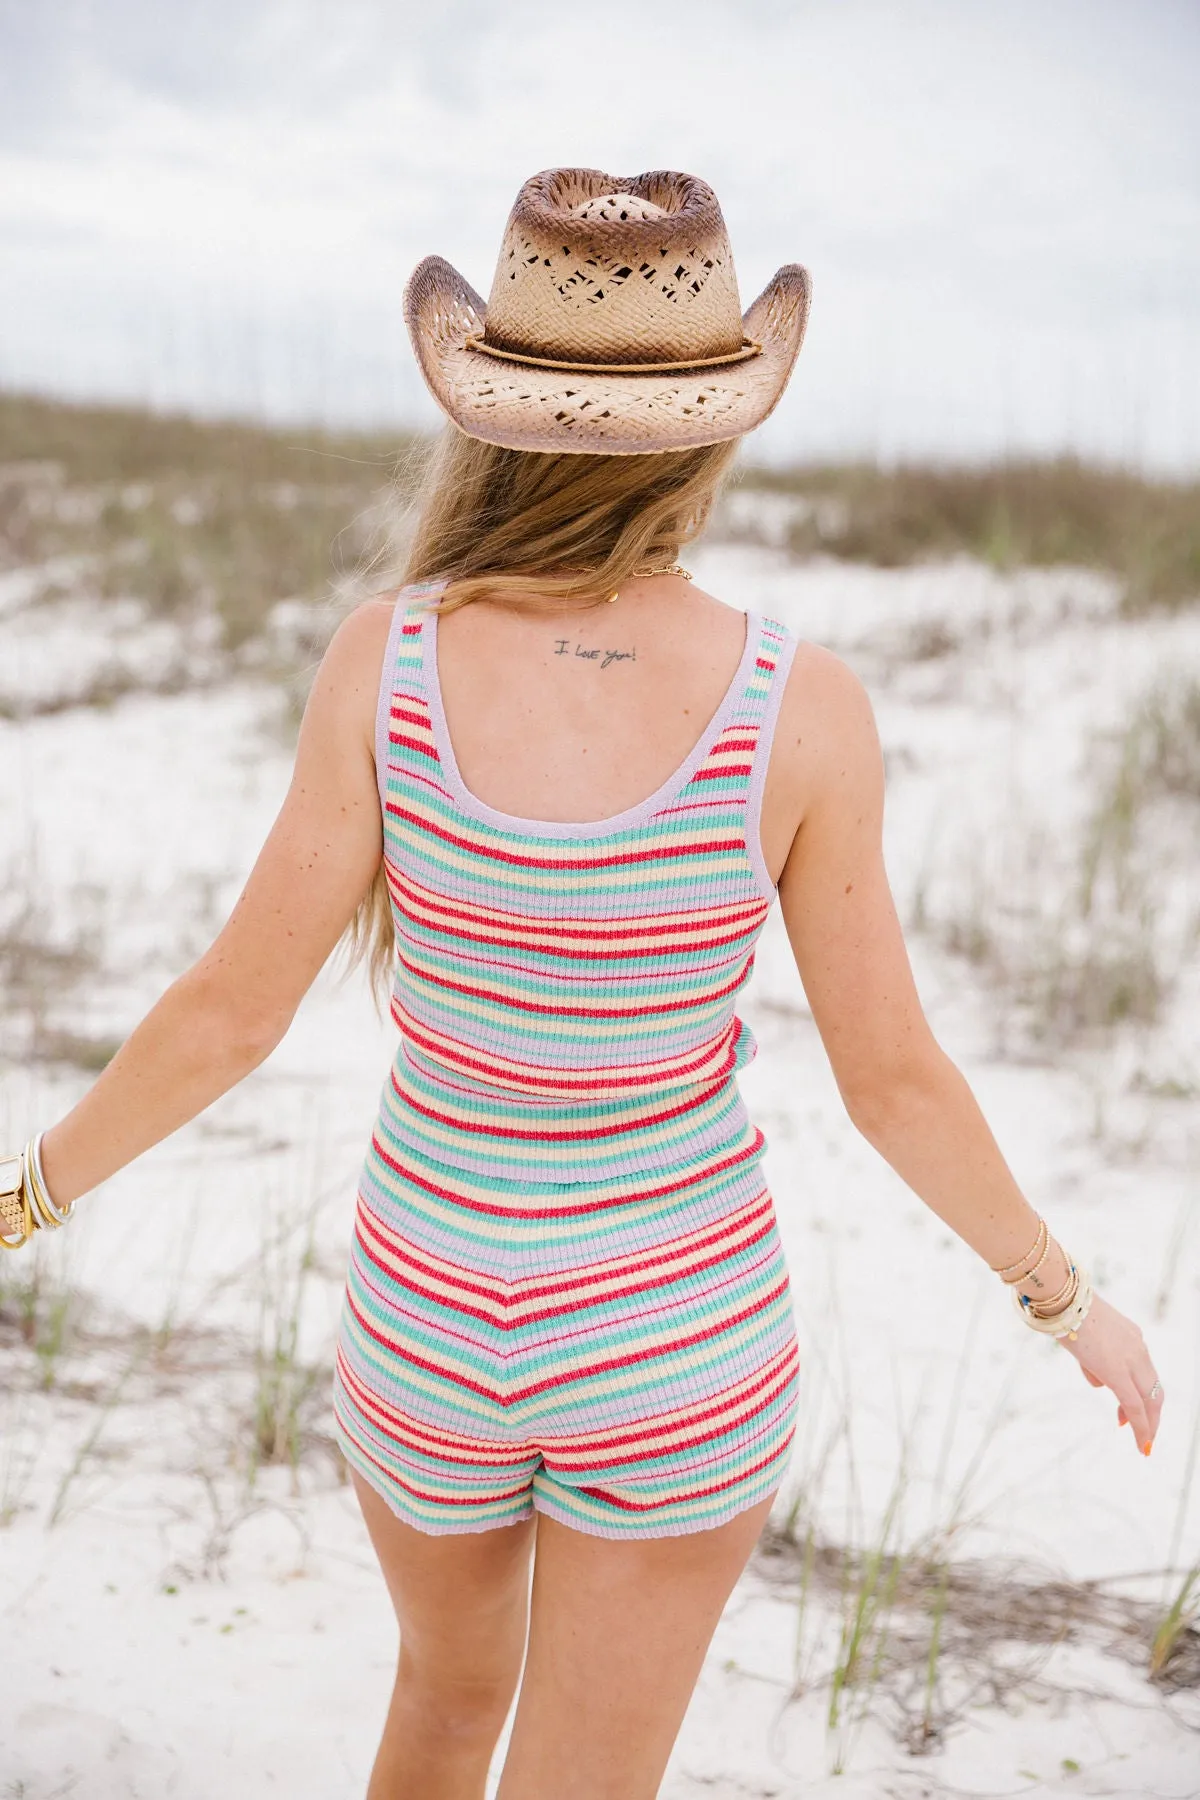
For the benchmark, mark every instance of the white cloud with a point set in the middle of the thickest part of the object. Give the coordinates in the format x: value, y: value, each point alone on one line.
x: 1000, y: 204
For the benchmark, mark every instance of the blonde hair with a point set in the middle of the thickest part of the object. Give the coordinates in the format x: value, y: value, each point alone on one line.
x: 527, y: 527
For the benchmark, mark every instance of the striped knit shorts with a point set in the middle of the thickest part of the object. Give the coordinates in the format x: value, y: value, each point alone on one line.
x: 622, y: 1358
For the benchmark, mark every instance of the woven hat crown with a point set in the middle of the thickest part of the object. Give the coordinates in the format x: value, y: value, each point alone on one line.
x: 627, y: 270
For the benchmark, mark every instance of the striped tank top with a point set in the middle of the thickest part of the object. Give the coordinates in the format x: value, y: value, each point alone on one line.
x: 566, y: 993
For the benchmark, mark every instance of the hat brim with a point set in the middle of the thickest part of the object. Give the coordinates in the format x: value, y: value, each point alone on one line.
x: 523, y: 407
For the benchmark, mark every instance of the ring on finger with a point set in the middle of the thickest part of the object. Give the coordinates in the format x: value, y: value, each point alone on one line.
x: 1156, y: 1391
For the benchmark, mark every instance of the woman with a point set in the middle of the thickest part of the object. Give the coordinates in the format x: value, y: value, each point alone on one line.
x: 569, y: 785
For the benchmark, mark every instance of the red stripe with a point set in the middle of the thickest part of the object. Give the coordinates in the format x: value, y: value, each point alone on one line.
x: 723, y: 1232
x: 583, y: 1208
x: 737, y: 934
x: 418, y: 1362
x: 571, y: 1377
x: 487, y: 1128
x: 469, y: 1452
x: 701, y: 919
x: 645, y: 1446
x: 514, y: 1313
x: 528, y: 1078
x: 557, y: 1009
x: 563, y: 864
x: 734, y: 936
x: 721, y: 771
x: 685, y: 1265
x: 525, y: 1488
x: 674, y: 1446
x: 656, y: 1304
x: 412, y: 743
x: 650, y: 1351
x: 780, y: 1369
x: 367, y: 1227
x: 717, y: 1487
x: 615, y: 1297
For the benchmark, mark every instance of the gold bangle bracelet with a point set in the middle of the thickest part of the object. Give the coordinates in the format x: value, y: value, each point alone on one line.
x: 1044, y: 1300
x: 1056, y: 1303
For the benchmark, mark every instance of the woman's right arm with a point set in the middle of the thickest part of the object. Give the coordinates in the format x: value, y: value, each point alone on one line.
x: 225, y: 1015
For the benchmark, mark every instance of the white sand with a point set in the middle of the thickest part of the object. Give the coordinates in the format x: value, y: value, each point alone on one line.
x: 179, y: 1632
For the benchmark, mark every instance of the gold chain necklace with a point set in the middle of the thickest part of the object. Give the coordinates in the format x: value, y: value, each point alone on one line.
x: 667, y: 569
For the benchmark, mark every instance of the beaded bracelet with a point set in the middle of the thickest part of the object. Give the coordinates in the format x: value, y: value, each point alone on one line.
x: 1006, y: 1273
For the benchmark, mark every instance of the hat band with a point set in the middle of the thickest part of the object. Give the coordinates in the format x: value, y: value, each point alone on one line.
x: 749, y: 348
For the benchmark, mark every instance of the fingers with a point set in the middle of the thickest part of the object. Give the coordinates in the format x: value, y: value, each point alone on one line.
x: 1142, y: 1412
x: 1146, y: 1381
x: 1134, y: 1408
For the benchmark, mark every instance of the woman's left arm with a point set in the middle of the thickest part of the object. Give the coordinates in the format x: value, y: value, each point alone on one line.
x: 225, y: 1015
x: 899, y: 1087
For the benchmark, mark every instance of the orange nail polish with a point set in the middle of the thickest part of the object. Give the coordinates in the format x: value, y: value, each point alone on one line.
x: 1146, y: 1449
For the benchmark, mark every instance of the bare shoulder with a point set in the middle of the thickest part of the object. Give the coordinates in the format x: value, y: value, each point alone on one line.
x: 355, y: 651
x: 826, y: 748
x: 825, y: 713
x: 345, y: 690
x: 364, y: 630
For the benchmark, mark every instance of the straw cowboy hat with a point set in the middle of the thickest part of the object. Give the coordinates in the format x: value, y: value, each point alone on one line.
x: 614, y: 323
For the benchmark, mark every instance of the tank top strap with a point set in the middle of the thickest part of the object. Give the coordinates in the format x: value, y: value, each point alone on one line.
x: 733, y: 773
x: 402, y: 718
x: 756, y: 706
x: 740, y: 735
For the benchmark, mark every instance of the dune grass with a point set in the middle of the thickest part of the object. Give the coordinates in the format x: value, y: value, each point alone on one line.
x: 189, y: 515
x: 1100, y: 947
x: 229, y: 518
x: 1009, y: 514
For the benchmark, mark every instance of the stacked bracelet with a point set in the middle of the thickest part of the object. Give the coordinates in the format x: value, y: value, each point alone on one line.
x: 1056, y: 1315
x: 25, y: 1203
x: 1067, y: 1320
x: 49, y: 1216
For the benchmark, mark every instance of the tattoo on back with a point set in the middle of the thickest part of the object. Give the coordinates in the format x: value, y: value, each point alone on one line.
x: 600, y: 656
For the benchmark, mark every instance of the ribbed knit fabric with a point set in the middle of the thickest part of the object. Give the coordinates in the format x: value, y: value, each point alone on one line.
x: 566, y: 1287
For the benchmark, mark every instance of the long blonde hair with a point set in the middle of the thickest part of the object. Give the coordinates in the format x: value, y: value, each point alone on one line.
x: 524, y: 526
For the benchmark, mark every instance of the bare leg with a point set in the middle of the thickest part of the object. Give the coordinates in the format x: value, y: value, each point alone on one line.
x: 462, y: 1603
x: 618, y: 1634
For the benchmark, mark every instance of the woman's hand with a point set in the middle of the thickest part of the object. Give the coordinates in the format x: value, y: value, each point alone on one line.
x: 1112, y: 1353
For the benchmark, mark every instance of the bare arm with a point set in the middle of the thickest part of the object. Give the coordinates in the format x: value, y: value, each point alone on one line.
x: 900, y: 1088
x: 227, y: 1013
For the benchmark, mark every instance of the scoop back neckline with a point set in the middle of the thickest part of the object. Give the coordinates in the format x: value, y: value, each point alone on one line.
x: 470, y: 803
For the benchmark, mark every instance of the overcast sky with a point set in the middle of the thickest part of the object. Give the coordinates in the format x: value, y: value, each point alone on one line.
x: 999, y: 200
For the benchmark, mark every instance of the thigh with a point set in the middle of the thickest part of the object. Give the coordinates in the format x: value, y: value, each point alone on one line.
x: 461, y: 1599
x: 618, y: 1632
